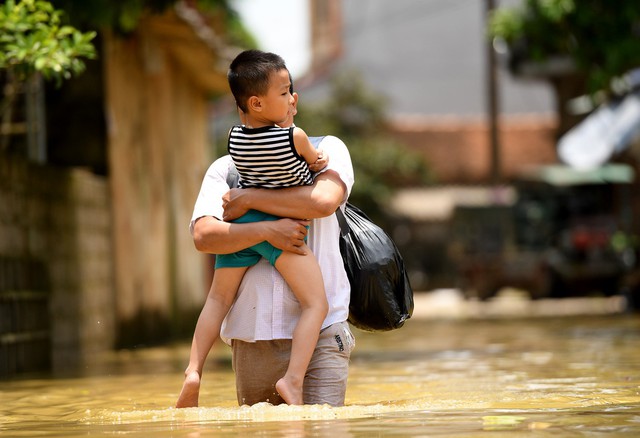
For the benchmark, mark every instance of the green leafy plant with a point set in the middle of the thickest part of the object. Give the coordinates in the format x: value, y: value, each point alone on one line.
x: 123, y: 16
x: 34, y: 43
x: 601, y: 37
x: 34, y: 39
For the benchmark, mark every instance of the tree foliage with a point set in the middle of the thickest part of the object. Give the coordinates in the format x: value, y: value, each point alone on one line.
x: 35, y: 39
x: 381, y: 164
x: 124, y: 15
x: 600, y: 36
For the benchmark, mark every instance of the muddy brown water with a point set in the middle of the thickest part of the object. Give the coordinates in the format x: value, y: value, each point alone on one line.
x: 565, y: 376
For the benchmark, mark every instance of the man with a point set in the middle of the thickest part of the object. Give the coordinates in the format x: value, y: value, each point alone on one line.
x: 260, y: 324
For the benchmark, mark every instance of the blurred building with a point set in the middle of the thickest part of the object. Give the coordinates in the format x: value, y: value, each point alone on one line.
x: 97, y: 184
x: 429, y: 58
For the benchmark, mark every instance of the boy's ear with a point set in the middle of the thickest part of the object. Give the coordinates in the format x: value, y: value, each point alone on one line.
x: 255, y: 103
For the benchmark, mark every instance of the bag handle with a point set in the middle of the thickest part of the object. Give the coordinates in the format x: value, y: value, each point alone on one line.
x: 344, y: 226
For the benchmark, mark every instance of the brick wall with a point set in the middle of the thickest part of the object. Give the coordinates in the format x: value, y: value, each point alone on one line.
x: 458, y: 150
x: 55, y: 254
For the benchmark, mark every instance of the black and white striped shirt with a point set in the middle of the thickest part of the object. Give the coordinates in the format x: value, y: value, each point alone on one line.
x: 266, y: 157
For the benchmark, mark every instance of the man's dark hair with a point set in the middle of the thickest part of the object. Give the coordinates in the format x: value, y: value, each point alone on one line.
x: 249, y: 73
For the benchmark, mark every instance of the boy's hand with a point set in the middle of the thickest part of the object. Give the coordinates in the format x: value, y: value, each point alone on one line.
x: 321, y: 162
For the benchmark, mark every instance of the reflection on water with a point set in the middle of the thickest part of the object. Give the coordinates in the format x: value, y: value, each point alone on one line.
x: 572, y: 375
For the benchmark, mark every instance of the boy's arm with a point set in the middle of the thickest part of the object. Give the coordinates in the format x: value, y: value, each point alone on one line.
x: 303, y: 146
x: 315, y: 158
x: 320, y: 199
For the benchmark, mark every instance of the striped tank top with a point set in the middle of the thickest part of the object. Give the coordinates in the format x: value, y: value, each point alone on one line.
x: 266, y: 158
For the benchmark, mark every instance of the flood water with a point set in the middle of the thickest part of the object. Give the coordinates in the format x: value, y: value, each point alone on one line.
x: 571, y: 376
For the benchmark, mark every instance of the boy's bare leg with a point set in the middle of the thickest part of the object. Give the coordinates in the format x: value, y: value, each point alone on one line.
x: 224, y: 287
x: 302, y: 274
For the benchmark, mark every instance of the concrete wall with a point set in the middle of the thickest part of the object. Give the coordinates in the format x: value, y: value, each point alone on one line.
x: 158, y: 154
x: 101, y: 262
x: 56, y: 286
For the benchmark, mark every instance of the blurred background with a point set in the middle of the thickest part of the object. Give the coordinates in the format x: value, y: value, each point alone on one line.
x: 495, y: 141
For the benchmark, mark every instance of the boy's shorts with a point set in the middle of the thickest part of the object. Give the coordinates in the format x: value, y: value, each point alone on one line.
x: 250, y: 256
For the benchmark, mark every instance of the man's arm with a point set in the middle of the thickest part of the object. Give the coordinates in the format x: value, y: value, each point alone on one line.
x: 213, y: 236
x: 320, y: 199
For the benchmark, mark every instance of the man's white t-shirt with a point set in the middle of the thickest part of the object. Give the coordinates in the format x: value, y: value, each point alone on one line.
x: 265, y: 307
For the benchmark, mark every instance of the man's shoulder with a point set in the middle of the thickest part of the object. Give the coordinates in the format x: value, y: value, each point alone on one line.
x: 315, y: 141
x: 221, y: 169
x: 223, y: 161
x: 339, y: 159
x: 330, y: 141
x: 221, y: 165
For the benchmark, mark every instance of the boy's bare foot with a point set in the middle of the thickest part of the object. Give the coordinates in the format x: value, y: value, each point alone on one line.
x: 292, y: 394
x: 188, y: 397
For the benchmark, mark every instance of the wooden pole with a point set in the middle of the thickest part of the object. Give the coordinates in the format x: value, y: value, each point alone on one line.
x: 492, y: 103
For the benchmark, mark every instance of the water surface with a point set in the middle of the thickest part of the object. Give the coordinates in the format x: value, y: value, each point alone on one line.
x: 572, y: 376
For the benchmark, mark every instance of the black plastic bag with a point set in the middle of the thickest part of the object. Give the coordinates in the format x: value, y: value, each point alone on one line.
x: 381, y: 296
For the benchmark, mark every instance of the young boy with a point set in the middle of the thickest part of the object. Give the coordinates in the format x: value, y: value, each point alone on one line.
x: 266, y: 156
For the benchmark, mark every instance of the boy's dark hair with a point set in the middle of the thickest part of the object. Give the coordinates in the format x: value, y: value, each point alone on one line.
x: 249, y: 73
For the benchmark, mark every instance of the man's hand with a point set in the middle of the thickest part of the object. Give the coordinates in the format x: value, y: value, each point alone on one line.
x: 287, y: 234
x: 233, y: 204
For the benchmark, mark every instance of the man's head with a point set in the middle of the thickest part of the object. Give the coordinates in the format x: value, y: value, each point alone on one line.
x: 249, y: 74
x: 293, y: 108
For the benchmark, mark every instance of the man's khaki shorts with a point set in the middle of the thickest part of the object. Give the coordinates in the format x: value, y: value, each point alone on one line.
x: 259, y: 365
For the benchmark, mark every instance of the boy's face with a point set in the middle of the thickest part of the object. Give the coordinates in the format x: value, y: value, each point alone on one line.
x: 293, y: 110
x: 277, y: 103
